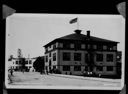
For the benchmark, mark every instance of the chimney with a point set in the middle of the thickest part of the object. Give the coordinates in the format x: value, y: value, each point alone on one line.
x: 88, y: 33
x: 77, y: 31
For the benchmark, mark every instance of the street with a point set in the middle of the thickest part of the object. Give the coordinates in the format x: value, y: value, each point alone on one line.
x: 35, y: 78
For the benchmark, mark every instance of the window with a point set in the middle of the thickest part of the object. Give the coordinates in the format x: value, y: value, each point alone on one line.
x: 77, y: 56
x: 77, y: 46
x: 77, y: 68
x: 66, y: 56
x: 99, y: 47
x: 104, y: 47
x: 49, y: 54
x: 99, y: 57
x: 54, y: 67
x: 109, y: 68
x: 66, y: 45
x: 66, y: 68
x: 54, y: 56
x: 88, y: 46
x: 72, y: 45
x: 16, y: 62
x: 109, y: 57
x: 99, y: 68
x: 110, y: 47
x: 94, y: 46
x: 17, y: 67
x: 61, y: 45
x: 83, y: 46
x: 19, y: 62
x: 46, y: 58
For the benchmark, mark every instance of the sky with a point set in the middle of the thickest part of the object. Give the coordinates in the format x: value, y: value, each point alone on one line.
x: 30, y: 32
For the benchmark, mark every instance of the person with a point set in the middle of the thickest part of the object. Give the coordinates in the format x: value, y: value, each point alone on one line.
x: 11, y: 71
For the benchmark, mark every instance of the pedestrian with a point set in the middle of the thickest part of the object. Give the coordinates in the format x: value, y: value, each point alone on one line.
x: 9, y: 78
x: 11, y: 71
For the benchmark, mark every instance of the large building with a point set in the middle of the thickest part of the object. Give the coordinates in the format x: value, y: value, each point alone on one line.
x: 77, y: 53
x: 15, y: 64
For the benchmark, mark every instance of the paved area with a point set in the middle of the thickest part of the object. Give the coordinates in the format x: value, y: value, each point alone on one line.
x: 35, y: 78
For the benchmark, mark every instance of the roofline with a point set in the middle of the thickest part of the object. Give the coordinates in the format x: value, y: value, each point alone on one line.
x: 76, y: 40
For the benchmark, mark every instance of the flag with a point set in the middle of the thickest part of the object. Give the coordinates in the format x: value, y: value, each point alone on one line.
x: 73, y: 20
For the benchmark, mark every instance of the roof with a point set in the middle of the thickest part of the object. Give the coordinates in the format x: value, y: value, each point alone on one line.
x: 81, y: 37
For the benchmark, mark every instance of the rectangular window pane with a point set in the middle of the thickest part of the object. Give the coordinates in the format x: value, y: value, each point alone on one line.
x: 99, y: 57
x: 54, y: 56
x: 99, y: 47
x: 109, y: 57
x: 77, y: 56
x: 16, y: 62
x: 77, y: 46
x: 54, y: 67
x: 66, y: 56
x: 66, y: 68
x: 50, y: 54
x: 77, y: 68
x: 83, y: 46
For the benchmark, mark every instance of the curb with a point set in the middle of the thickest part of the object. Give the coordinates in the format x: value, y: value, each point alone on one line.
x: 87, y: 78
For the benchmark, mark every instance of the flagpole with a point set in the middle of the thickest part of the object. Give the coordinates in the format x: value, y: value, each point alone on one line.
x: 77, y: 24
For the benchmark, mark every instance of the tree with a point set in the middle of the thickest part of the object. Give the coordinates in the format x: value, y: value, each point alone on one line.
x: 10, y: 58
x: 22, y: 60
x: 39, y: 64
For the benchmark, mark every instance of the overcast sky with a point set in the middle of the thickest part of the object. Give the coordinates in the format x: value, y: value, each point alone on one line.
x: 30, y: 32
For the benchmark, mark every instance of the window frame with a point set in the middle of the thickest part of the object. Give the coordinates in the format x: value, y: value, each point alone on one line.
x: 66, y: 56
x: 77, y: 57
x: 100, y: 58
x: 54, y: 56
x: 108, y: 58
x: 66, y: 45
x: 66, y: 68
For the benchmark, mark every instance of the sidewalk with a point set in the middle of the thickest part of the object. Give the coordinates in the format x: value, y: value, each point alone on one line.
x: 87, y: 78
